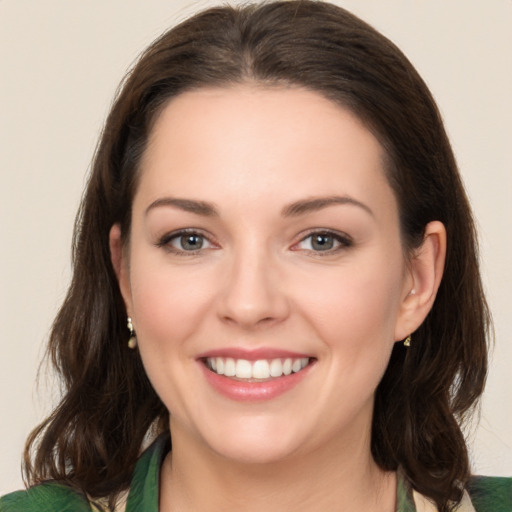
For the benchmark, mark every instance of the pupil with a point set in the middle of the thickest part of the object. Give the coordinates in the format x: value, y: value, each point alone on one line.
x: 322, y: 242
x: 191, y: 242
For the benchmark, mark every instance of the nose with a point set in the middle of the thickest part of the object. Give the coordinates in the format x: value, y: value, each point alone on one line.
x: 253, y: 294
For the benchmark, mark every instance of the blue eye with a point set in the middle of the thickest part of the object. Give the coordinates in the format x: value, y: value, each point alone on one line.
x: 188, y: 242
x: 323, y: 242
x: 185, y: 242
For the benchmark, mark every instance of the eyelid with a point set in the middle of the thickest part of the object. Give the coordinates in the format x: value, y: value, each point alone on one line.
x: 344, y: 240
x: 165, y: 241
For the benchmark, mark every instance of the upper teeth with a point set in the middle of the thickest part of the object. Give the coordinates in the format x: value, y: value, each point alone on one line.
x: 259, y: 369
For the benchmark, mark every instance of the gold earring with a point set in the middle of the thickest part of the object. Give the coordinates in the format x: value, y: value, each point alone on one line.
x: 132, y: 342
x: 407, y: 341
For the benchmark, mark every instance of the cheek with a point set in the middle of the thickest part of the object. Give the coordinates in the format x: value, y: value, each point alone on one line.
x: 167, y: 302
x: 356, y: 308
x: 354, y: 318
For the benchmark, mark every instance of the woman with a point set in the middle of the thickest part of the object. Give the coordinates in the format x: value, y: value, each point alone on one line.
x: 275, y: 268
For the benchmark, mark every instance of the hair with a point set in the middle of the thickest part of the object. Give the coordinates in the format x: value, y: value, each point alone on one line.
x: 93, y: 438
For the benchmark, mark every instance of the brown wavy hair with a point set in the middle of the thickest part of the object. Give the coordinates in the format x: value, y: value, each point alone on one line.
x: 93, y: 438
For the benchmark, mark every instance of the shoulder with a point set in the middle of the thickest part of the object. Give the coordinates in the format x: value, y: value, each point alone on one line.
x: 490, y: 494
x: 58, y: 497
x: 47, y: 497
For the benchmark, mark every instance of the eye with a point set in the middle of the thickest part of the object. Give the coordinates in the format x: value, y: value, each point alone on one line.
x: 185, y: 241
x: 323, y: 241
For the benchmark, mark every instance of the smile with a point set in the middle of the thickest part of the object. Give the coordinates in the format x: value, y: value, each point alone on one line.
x: 261, y: 369
x: 254, y: 376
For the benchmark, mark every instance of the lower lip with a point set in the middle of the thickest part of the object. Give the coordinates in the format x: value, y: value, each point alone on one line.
x: 244, y: 391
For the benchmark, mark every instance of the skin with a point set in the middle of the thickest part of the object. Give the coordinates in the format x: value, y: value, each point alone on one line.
x: 250, y: 152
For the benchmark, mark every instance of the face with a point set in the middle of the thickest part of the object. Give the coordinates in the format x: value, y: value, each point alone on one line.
x: 265, y: 274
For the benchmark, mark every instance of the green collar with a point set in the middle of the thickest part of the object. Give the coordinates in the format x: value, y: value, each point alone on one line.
x: 145, y: 485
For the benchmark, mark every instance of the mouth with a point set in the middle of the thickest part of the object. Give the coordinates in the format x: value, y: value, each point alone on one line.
x: 259, y: 370
x: 254, y: 375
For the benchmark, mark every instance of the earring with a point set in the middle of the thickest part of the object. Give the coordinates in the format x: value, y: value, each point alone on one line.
x: 132, y: 342
x: 407, y: 341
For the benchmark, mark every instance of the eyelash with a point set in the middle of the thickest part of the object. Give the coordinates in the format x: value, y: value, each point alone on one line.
x: 343, y: 241
x: 166, y: 242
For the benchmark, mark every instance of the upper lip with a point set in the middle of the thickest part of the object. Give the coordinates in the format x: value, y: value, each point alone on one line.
x: 252, y: 354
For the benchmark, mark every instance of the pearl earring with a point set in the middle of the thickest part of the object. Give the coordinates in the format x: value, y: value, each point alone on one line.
x: 132, y: 342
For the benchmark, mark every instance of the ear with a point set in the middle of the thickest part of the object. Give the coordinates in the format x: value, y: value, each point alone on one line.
x: 120, y: 264
x: 420, y: 288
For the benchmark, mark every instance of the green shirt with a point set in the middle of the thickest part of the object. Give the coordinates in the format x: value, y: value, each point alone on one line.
x: 487, y: 494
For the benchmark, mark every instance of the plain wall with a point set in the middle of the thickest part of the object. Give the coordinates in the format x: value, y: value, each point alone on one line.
x: 60, y: 63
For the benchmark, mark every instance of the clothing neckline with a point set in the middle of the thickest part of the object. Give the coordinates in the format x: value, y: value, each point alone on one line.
x: 145, y: 484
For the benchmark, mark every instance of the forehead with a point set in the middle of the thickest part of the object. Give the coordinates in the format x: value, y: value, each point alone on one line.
x: 259, y: 142
x: 286, y: 114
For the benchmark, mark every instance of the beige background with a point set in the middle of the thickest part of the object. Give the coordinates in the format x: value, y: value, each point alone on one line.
x: 60, y: 62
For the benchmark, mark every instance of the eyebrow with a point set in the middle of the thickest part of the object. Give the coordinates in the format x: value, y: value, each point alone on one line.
x: 189, y: 205
x: 318, y: 203
x: 294, y: 209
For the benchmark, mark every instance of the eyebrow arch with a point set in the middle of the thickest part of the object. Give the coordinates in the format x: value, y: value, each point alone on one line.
x: 318, y: 203
x: 189, y: 205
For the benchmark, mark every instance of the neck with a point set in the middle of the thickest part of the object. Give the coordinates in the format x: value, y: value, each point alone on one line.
x: 340, y: 476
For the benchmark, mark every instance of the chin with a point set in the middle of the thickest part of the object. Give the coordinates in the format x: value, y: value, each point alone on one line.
x: 254, y: 454
x: 261, y: 444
